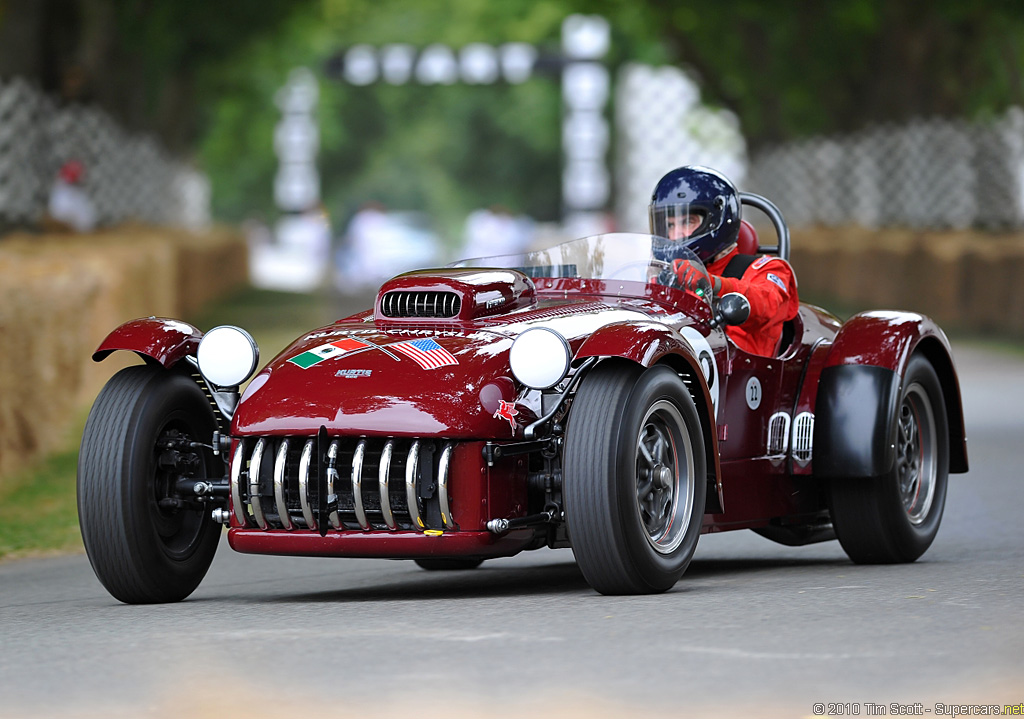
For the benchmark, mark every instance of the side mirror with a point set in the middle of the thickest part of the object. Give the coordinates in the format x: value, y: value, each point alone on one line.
x: 733, y: 309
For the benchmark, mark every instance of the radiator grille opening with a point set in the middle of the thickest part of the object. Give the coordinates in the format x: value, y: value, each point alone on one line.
x: 270, y: 491
x: 402, y: 303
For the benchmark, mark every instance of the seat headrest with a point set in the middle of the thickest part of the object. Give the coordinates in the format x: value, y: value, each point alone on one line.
x: 747, y: 239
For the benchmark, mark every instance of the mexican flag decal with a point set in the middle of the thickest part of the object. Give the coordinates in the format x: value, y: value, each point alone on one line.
x: 332, y: 349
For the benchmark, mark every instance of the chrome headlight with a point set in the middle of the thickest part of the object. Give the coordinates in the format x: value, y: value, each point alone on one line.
x: 539, y: 358
x: 227, y: 356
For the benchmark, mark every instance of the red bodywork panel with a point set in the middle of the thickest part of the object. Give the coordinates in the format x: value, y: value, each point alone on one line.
x: 157, y: 338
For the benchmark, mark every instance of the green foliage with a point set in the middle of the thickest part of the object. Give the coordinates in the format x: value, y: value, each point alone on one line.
x: 442, y: 149
x: 790, y: 68
x: 787, y: 68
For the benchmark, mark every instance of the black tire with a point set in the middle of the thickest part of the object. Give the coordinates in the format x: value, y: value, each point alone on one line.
x: 448, y: 565
x: 140, y: 552
x: 894, y: 518
x: 633, y: 511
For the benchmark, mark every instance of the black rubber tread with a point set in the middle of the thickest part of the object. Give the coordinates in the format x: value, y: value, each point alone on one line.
x: 448, y: 565
x: 867, y: 513
x: 119, y: 436
x: 604, y: 527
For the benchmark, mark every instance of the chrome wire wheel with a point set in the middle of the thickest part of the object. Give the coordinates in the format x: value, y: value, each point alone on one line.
x: 664, y: 466
x: 916, y: 451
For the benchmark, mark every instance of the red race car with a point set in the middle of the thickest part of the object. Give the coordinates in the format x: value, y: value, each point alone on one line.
x: 568, y: 397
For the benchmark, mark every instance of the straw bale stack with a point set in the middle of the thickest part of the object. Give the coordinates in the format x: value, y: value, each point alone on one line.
x: 60, y: 295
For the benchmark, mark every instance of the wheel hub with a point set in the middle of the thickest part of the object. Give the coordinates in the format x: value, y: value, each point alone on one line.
x: 915, y: 454
x: 663, y: 471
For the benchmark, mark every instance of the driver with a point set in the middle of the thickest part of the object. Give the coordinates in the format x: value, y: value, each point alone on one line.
x: 699, y: 209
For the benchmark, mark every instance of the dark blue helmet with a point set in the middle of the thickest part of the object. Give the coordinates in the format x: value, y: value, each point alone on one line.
x: 701, y: 191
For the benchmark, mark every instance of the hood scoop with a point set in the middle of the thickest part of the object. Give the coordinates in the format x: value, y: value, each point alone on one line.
x: 452, y: 295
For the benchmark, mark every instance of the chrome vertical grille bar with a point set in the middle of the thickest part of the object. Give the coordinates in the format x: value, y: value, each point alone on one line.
x: 803, y: 437
x: 332, y: 475
x: 279, y: 468
x: 236, y: 486
x: 442, y: 484
x: 382, y: 483
x: 357, y: 484
x: 304, y: 461
x: 254, y: 484
x: 412, y: 465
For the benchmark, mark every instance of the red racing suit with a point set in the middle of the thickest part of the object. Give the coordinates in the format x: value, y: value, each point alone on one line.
x: 769, y: 285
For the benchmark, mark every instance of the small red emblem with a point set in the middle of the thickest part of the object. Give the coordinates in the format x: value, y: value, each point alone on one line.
x: 506, y: 410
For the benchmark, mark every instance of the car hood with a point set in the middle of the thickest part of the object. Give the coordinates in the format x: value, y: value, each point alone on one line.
x: 355, y: 378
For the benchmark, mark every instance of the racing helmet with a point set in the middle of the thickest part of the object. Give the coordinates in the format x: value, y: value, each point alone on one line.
x: 695, y: 190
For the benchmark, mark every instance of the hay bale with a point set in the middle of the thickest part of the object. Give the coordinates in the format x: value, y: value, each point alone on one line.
x: 60, y: 295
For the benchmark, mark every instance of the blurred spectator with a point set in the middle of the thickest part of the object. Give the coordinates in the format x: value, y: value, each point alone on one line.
x: 379, y: 244
x: 70, y: 207
x: 296, y: 260
x: 496, y: 231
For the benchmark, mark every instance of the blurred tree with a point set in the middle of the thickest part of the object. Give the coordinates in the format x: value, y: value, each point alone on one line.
x: 190, y: 69
x: 138, y: 59
x: 443, y: 149
x: 790, y: 68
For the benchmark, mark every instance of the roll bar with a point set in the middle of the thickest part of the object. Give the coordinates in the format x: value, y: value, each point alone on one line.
x: 781, y: 230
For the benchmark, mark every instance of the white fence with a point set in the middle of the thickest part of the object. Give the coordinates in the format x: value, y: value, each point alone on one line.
x: 127, y: 176
x: 926, y: 174
x: 661, y: 124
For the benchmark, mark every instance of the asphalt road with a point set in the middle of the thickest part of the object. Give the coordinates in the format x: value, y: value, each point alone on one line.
x: 753, y: 629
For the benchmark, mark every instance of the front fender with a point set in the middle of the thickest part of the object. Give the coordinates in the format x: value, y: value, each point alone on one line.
x: 860, y: 387
x: 155, y: 339
x: 651, y: 343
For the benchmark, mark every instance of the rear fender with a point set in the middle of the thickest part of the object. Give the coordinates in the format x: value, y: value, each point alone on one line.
x: 860, y: 386
x: 155, y: 339
x: 648, y: 344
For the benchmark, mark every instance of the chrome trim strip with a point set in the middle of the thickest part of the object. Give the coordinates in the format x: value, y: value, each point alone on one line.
x: 332, y: 475
x: 304, y: 459
x: 254, y: 484
x: 236, y: 488
x: 279, y: 468
x: 412, y: 465
x: 442, y: 485
x: 357, y: 484
x: 382, y: 482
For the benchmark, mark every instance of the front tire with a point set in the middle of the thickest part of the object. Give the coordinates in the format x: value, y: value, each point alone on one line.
x: 634, y: 478
x: 143, y: 552
x: 895, y: 517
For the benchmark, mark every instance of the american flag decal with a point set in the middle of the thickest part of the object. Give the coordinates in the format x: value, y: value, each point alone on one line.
x: 427, y: 353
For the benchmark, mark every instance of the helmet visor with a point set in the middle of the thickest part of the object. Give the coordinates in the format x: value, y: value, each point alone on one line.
x: 679, y: 222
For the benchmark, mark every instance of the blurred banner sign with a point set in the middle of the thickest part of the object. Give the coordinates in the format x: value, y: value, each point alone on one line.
x: 586, y: 181
x: 296, y: 141
x: 586, y: 87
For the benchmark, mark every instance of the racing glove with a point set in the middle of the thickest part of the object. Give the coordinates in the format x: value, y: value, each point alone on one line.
x: 690, y: 278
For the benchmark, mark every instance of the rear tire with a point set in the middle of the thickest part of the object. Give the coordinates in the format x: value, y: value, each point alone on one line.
x: 448, y: 565
x: 895, y: 517
x: 634, y: 478
x: 143, y: 553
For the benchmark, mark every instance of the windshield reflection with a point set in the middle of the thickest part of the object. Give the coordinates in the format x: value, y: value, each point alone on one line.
x: 623, y: 256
